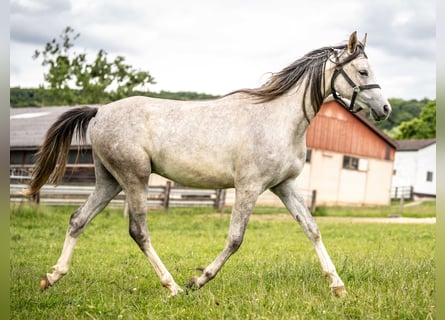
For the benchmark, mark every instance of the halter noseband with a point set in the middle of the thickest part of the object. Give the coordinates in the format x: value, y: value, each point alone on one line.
x: 356, y: 89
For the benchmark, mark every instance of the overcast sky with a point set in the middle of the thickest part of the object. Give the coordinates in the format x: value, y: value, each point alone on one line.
x: 219, y: 46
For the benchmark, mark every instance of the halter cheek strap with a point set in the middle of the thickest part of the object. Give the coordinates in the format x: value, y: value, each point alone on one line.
x: 356, y: 89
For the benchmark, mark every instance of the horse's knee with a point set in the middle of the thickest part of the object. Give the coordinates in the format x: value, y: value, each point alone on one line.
x: 312, y: 231
x: 139, y: 233
x: 315, y: 233
x: 234, y: 243
x: 77, y: 223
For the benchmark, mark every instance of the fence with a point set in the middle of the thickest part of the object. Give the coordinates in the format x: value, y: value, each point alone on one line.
x: 405, y: 192
x: 75, y: 193
x: 158, y: 196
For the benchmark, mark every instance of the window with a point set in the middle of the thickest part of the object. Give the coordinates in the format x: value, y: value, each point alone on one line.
x: 350, y: 163
x: 16, y: 157
x: 22, y: 157
x: 429, y: 176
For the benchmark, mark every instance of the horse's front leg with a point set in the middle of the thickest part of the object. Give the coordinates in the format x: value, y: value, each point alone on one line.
x: 244, y: 203
x: 294, y: 202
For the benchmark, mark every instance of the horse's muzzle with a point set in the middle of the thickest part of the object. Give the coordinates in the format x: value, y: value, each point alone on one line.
x: 383, y: 114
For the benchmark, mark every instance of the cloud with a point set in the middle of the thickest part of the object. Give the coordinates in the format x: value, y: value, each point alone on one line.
x: 34, y: 22
x: 219, y: 46
x: 401, y: 28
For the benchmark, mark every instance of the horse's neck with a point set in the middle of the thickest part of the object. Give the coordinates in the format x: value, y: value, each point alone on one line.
x: 297, y: 101
x: 301, y: 100
x: 292, y: 105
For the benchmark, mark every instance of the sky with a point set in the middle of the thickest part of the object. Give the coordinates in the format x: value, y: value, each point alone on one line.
x: 219, y: 46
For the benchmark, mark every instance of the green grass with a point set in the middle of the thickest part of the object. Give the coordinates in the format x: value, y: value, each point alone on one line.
x: 425, y: 209
x: 388, y: 269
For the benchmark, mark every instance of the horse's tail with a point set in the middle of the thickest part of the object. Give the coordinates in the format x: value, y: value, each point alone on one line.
x: 52, y: 155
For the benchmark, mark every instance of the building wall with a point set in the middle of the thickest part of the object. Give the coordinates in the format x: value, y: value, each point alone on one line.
x: 411, y: 168
x: 405, y: 164
x: 426, y: 163
x: 369, y: 184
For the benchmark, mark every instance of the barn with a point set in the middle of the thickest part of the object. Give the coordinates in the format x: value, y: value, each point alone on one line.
x: 28, y: 127
x: 349, y: 160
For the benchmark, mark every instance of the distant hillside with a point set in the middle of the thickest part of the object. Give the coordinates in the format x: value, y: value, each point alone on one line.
x: 34, y: 97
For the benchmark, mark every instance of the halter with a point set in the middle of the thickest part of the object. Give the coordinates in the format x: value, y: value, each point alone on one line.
x: 356, y: 89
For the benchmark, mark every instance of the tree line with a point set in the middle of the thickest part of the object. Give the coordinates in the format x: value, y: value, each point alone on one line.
x: 37, y: 97
x: 73, y: 78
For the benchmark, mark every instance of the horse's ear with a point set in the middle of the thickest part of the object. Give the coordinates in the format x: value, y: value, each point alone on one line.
x: 352, y: 44
x: 364, y: 40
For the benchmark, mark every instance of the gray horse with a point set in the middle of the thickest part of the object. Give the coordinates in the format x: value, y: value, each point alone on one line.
x: 251, y: 140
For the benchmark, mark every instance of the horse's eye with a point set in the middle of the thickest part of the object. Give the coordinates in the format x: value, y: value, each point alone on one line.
x: 363, y: 73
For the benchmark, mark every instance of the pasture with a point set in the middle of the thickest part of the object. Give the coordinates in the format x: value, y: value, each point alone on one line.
x: 389, y: 270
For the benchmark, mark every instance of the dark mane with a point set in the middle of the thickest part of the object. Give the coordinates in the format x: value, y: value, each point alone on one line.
x: 311, y: 65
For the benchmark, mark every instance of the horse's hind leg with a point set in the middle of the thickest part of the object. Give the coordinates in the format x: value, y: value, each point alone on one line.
x: 105, y: 190
x: 135, y: 184
x: 292, y: 199
x: 139, y: 232
x: 137, y: 203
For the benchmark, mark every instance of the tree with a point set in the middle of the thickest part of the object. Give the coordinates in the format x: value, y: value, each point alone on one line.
x: 402, y: 110
x: 73, y: 79
x: 423, y: 127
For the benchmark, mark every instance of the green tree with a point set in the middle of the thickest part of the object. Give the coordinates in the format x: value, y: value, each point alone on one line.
x: 422, y: 127
x: 402, y: 110
x: 71, y: 78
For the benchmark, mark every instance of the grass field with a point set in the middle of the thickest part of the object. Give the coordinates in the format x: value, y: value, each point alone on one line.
x: 389, y: 270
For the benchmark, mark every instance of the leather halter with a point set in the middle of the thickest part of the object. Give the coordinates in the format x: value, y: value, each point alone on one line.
x: 356, y: 89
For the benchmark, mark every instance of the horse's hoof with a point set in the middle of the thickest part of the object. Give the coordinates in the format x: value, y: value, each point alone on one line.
x: 44, y: 283
x: 175, y: 293
x: 339, y: 291
x: 193, y: 283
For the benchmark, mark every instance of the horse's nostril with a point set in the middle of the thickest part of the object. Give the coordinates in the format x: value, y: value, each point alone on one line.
x: 386, y: 109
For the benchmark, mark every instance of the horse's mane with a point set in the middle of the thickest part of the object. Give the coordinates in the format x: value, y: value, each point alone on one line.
x: 312, y: 64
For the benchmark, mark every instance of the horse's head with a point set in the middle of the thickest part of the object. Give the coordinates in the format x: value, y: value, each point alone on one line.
x: 354, y: 80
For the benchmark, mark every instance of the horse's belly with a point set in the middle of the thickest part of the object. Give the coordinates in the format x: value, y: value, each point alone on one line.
x: 200, y: 174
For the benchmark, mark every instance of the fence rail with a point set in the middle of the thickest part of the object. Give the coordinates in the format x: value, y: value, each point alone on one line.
x: 158, y: 196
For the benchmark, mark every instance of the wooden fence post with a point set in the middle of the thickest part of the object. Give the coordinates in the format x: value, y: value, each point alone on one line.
x: 402, y: 200
x: 167, y: 190
x: 313, y: 201
x: 220, y: 200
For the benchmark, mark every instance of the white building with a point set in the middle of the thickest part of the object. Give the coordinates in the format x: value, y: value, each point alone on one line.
x: 415, y: 166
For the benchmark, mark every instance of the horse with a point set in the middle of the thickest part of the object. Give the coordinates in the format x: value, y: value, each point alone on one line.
x: 252, y: 140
